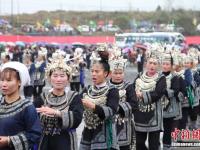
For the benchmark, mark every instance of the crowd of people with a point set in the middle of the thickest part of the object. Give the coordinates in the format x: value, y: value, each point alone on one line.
x: 117, y: 115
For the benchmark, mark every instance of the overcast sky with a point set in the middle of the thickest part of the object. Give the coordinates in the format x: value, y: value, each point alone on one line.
x: 31, y: 6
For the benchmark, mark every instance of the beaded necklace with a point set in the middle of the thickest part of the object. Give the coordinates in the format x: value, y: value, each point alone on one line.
x: 144, y: 84
x: 98, y: 97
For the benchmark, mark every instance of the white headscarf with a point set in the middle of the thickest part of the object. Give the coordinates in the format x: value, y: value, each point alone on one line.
x: 23, y: 72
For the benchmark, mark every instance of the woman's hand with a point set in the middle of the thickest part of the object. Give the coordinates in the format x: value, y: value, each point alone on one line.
x: 88, y: 104
x: 139, y: 94
x: 4, y: 141
x: 49, y: 111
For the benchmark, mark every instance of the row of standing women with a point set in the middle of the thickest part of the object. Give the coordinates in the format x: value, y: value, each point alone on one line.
x: 36, y: 63
x: 155, y: 99
x: 166, y: 98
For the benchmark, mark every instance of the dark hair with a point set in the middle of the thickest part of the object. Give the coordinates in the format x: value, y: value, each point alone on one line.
x: 171, y: 59
x: 8, y: 73
x: 7, y: 57
x: 104, y: 55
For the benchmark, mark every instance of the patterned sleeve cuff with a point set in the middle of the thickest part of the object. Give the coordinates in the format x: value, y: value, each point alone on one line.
x: 19, y: 142
x: 107, y: 112
x: 67, y: 119
x: 170, y: 93
x: 126, y: 107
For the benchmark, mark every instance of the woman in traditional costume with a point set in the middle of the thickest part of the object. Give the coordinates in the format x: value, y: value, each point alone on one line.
x: 39, y: 73
x: 101, y: 103
x: 76, y: 64
x: 62, y: 111
x: 170, y: 102
x: 192, y: 81
x: 150, y: 86
x: 19, y: 123
x: 127, y: 102
x: 28, y: 91
x: 182, y: 96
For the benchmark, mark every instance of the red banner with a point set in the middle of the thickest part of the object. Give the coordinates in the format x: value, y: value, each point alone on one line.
x: 193, y: 39
x: 59, y: 39
x: 72, y: 39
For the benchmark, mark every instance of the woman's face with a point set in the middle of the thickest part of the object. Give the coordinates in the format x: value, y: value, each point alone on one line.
x: 166, y: 66
x: 178, y: 67
x: 40, y: 58
x: 117, y: 75
x: 59, y: 79
x: 188, y: 65
x: 98, y: 74
x: 26, y: 59
x: 9, y: 83
x: 152, y: 65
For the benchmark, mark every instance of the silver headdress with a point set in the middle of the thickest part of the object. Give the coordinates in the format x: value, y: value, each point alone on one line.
x: 178, y: 58
x: 154, y: 51
x: 116, y: 59
x: 27, y: 52
x: 6, y: 52
x: 167, y: 57
x: 95, y: 57
x: 57, y: 55
x: 78, y: 52
x: 193, y: 55
x: 58, y: 62
x: 42, y: 52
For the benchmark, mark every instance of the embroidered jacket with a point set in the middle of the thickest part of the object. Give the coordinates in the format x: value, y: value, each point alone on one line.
x: 61, y: 132
x: 170, y: 102
x: 100, y: 129
x: 149, y: 116
x: 182, y: 92
x: 20, y: 121
x: 124, y: 117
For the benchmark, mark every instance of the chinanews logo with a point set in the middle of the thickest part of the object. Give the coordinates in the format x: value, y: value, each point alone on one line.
x: 186, y: 138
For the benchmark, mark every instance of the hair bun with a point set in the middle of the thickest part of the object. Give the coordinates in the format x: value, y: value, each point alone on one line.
x: 104, y: 55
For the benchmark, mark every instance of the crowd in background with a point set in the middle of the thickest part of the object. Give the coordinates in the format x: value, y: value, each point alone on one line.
x: 164, y: 97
